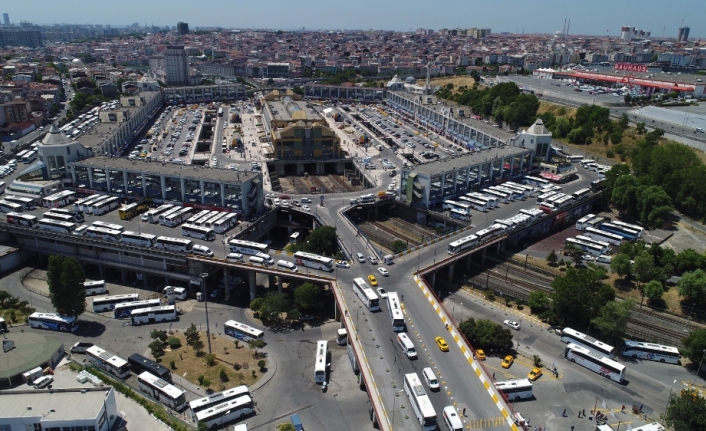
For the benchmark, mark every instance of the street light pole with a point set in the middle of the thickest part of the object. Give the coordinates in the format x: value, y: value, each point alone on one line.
x: 203, y: 276
x: 699, y: 369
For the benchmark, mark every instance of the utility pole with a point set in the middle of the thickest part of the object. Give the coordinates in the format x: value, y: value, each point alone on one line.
x: 204, y: 276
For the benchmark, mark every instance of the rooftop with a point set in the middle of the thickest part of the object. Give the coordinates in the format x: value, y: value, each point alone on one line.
x: 291, y: 110
x: 50, y: 404
x: 469, y: 159
x: 186, y: 171
x: 31, y: 350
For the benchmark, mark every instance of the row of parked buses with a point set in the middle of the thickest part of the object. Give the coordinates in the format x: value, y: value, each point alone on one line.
x: 613, y: 231
x: 203, y: 224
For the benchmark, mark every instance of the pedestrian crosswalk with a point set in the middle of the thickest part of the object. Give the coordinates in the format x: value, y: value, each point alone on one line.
x: 485, y: 423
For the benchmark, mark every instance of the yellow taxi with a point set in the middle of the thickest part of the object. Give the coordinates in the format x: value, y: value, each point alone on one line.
x: 373, y: 281
x: 534, y: 374
x: 507, y: 362
x: 480, y: 354
x: 442, y: 344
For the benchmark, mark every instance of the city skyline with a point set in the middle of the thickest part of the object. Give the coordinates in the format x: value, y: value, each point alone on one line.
x: 599, y: 18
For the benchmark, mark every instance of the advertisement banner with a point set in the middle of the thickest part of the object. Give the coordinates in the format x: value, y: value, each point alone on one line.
x: 630, y: 67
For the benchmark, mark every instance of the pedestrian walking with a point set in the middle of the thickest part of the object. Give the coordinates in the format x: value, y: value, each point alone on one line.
x: 562, y: 415
x: 623, y: 409
x: 464, y: 411
x: 572, y: 428
x: 535, y: 428
x: 584, y: 412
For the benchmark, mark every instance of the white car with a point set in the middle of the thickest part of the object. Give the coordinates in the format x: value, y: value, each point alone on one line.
x: 342, y: 264
x: 383, y: 271
x: 512, y: 324
x: 277, y: 202
x: 306, y: 200
x: 306, y: 208
x: 372, y: 260
x: 144, y: 217
x: 382, y: 293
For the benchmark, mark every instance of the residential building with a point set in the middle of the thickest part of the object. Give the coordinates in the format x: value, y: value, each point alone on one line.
x: 177, y: 65
x: 182, y: 28
x: 20, y: 37
x: 683, y: 34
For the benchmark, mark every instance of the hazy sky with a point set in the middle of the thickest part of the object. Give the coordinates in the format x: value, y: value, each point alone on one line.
x: 544, y: 16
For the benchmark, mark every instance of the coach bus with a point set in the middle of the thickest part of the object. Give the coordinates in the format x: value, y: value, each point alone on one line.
x: 104, y: 207
x: 59, y: 199
x: 592, y: 249
x: 453, y: 205
x: 226, y: 412
x: 515, y: 390
x: 56, y: 226
x: 421, y: 404
x: 103, y: 233
x: 314, y: 261
x: 321, y: 361
x: 226, y: 223
x: 581, y: 194
x: 626, y: 233
x: 108, y: 362
x: 462, y: 244
x: 59, y: 217
x: 218, y: 398
x: 107, y: 303
x: 163, y: 216
x: 595, y: 362
x: 243, y: 332
x: 153, y: 214
x: 105, y: 225
x: 76, y: 216
x: 94, y: 287
x: 247, y: 247
x: 394, y: 309
x: 139, y: 239
x: 569, y: 335
x: 198, y: 232
x: 158, y: 314
x: 197, y: 216
x: 650, y: 351
x: 24, y: 220
x: 174, y: 244
x: 476, y: 204
x: 53, y: 322
x: 131, y: 210
x: 535, y: 181
x: 27, y: 203
x: 140, y: 364
x: 177, y: 217
x: 10, y: 207
x: 491, y: 200
x: 603, y: 235
x: 366, y: 295
x: 124, y: 309
x: 640, y: 231
x: 162, y: 391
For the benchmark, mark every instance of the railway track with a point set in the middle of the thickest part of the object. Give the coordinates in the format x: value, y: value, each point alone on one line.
x: 423, y: 233
x: 340, y: 182
x: 665, y: 332
x: 299, y: 185
x: 319, y: 184
x: 394, y: 233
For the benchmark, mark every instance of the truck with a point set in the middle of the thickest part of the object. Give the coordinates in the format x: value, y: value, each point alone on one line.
x: 14, y: 145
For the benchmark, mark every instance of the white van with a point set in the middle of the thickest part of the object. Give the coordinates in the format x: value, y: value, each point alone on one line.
x: 453, y: 422
x: 430, y: 378
x: 265, y: 258
x: 406, y: 345
x: 179, y: 292
x: 256, y: 259
x: 287, y: 265
x: 202, y: 250
x: 43, y: 382
x: 234, y: 257
x: 94, y: 287
x: 604, y: 259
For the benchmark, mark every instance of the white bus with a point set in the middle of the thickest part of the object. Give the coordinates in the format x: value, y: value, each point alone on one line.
x: 174, y: 244
x: 226, y: 223
x: 462, y: 244
x: 159, y: 314
x: 123, y: 309
x: 652, y: 352
x: 139, y: 239
x: 56, y: 226
x: 59, y: 199
x: 27, y: 203
x: 162, y: 391
x: 535, y: 181
x: 213, y: 400
x: 595, y: 362
x: 545, y: 196
x: 163, y: 216
x: 520, y: 192
x: 453, y: 205
x: 213, y: 219
x: 105, y: 225
x: 243, y: 332
x: 59, y: 217
x: 88, y: 206
x: 512, y: 193
x: 53, y: 322
x: 106, y: 303
x: 501, y: 196
x: 105, y: 206
x: 321, y: 361
x: 640, y: 231
x: 294, y: 238
x: 490, y: 232
x: 79, y: 205
x: 367, y: 198
x: 592, y: 249
x: 21, y: 154
x: 247, y: 247
x: 421, y: 404
x: 491, y: 200
x: 153, y: 214
x: 515, y: 390
x: 198, y: 232
x: 108, y: 362
x: 77, y: 216
x: 366, y: 295
x: 533, y: 213
x: 103, y: 233
x: 94, y: 287
x: 178, y: 217
x: 197, y: 216
x: 394, y: 309
x: 602, y: 235
x: 569, y: 335
x: 226, y: 412
x: 204, y: 218
x: 313, y: 261
x: 589, y: 240
x: 10, y: 207
x: 581, y: 194
x: 29, y: 157
x: 581, y: 223
x: 476, y: 204
x: 24, y: 220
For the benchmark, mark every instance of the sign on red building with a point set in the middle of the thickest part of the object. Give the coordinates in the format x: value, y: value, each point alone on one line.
x: 631, y: 67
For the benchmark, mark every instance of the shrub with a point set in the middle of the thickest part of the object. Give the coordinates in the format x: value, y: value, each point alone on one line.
x: 255, y: 304
x: 174, y: 343
x: 13, y: 316
x: 206, y: 383
x: 201, y: 379
x: 507, y: 302
x: 237, y: 367
x: 490, y: 296
x: 172, y: 365
x: 210, y: 359
x: 537, y: 361
x: 223, y: 375
x: 261, y: 364
x: 159, y: 335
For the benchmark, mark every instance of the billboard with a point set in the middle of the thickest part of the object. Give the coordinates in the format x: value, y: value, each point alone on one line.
x: 630, y: 67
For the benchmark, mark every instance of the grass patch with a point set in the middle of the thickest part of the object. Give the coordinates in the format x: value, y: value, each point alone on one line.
x: 190, y: 366
x: 457, y: 81
x: 15, y: 316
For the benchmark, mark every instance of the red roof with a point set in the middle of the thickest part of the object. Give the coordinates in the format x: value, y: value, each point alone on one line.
x: 637, y: 81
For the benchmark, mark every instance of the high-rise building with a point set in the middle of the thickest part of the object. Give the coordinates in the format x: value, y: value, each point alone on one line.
x: 6, y: 18
x: 183, y: 28
x: 683, y: 34
x: 16, y: 37
x: 177, y: 65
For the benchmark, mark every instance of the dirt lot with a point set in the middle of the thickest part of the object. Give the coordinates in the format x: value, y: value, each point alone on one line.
x: 457, y: 81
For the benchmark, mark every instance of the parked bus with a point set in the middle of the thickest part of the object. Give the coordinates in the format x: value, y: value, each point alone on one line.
x: 626, y: 233
x: 140, y: 364
x: 581, y: 223
x: 60, y: 217
x: 124, y: 309
x: 201, y: 221
x: 247, y: 247
x: 131, y: 210
x: 174, y: 244
x: 56, y: 226
x: 513, y: 194
x: 602, y: 235
x: 569, y: 335
x: 421, y: 404
x: 314, y: 261
x: 163, y: 216
x: 21, y: 154
x: 107, y: 303
x: 453, y: 205
x: 159, y: 314
x: 59, y: 199
x: 53, y: 322
x: 225, y: 223
x: 197, y: 216
x: 198, y: 232
x: 111, y: 226
x: 10, y: 207
x: 476, y: 204
x: 226, y: 412
x: 27, y: 203
x: 177, y: 217
x: 652, y: 352
x: 581, y: 194
x: 501, y: 196
x: 76, y: 216
x: 366, y: 295
x: 543, y: 197
x: 492, y: 201
x: 321, y: 361
x: 108, y: 362
x: 29, y: 157
x: 139, y: 239
x: 462, y: 244
x: 24, y: 220
x: 515, y: 390
x: 640, y: 231
x: 490, y: 232
x: 587, y: 239
x: 104, y: 207
x: 535, y: 181
x: 595, y: 362
x: 212, y: 220
x: 394, y: 309
x: 533, y: 213
x: 167, y: 394
x: 94, y: 287
x: 82, y: 204
x: 243, y: 332
x: 153, y: 214
x: 218, y: 398
x: 592, y: 249
x: 103, y: 233
x: 88, y: 206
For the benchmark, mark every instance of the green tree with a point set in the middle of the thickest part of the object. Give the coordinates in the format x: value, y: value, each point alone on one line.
x: 322, y: 240
x: 552, y: 259
x: 398, y: 246
x: 65, y: 279
x: 198, y: 346
x: 686, y: 411
x: 203, y: 426
x: 643, y: 267
x: 641, y: 128
x: 191, y: 334
x: 624, y: 121
x: 538, y: 301
x: 654, y: 290
x: 613, y: 319
x: 689, y: 260
x: 692, y: 286
x: 483, y: 333
x: 575, y: 253
x: 158, y: 334
x: 307, y: 296
x: 286, y: 426
x: 654, y: 205
x: 273, y: 305
x: 624, y: 194
x: 156, y: 348
x: 294, y: 314
x: 695, y: 345
x: 621, y: 265
x: 576, y: 294
x: 298, y: 90
x: 210, y: 359
x: 223, y: 375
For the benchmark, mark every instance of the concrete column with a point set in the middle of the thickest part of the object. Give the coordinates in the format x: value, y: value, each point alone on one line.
x: 167, y: 281
x: 253, y: 286
x: 270, y: 280
x: 101, y: 271
x: 468, y: 261
x: 482, y: 256
x: 497, y: 248
x: 226, y: 284
x: 451, y: 271
x: 280, y: 280
x: 123, y: 275
x: 433, y: 278
x: 337, y: 313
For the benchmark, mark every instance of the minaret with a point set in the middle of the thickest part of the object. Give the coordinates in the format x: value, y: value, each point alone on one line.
x: 428, y: 77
